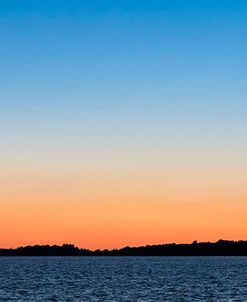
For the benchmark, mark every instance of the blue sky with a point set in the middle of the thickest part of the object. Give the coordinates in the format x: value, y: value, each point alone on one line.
x: 127, y: 71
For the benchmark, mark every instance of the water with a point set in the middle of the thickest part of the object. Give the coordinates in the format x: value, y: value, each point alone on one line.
x: 175, y: 279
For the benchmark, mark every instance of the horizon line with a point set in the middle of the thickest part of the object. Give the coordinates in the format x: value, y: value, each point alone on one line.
x: 123, y: 247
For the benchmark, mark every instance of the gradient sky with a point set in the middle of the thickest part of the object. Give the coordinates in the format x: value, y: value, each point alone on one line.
x: 122, y: 122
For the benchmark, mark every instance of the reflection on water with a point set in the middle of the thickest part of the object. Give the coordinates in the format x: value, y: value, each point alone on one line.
x: 123, y: 279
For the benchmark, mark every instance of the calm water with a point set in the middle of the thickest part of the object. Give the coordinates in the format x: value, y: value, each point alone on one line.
x: 123, y: 279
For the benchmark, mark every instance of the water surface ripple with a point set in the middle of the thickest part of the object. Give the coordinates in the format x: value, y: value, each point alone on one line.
x: 175, y: 279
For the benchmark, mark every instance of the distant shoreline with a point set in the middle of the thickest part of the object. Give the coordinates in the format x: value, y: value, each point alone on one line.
x: 219, y: 248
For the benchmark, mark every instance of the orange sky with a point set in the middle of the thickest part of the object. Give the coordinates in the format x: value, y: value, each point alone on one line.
x: 124, y: 207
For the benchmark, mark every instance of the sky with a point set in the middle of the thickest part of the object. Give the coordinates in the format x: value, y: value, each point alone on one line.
x: 122, y: 122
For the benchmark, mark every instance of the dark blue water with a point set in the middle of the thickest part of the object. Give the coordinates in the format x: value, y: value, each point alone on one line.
x: 123, y: 279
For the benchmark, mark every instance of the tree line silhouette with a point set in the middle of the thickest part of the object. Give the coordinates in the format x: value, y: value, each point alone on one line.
x: 219, y: 248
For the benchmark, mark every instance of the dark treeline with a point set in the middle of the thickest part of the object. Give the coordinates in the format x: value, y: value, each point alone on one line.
x: 219, y: 248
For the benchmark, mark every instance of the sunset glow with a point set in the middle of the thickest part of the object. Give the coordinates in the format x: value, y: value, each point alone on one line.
x: 122, y: 125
